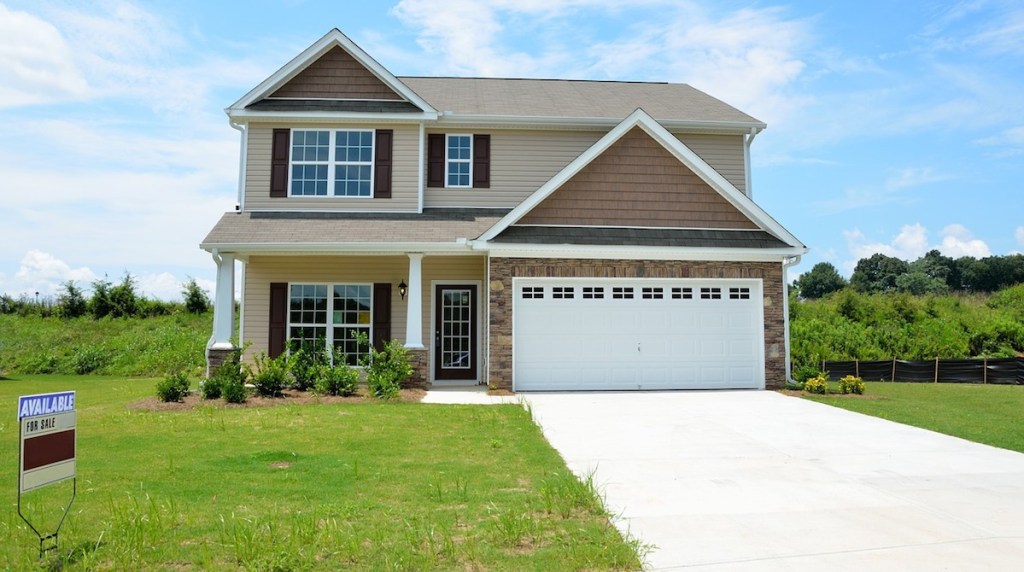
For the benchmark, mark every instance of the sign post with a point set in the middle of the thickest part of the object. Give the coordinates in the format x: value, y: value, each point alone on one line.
x: 47, y: 454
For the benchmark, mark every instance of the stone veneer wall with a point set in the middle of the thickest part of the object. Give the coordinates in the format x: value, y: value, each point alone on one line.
x: 502, y: 270
x: 420, y: 362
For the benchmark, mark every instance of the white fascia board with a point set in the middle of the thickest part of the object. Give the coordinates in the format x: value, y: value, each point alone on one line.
x: 249, y: 116
x: 731, y: 127
x: 684, y: 154
x: 637, y: 252
x: 319, y: 48
x: 341, y: 248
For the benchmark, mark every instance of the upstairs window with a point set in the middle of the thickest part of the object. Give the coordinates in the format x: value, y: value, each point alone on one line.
x: 332, y: 163
x: 458, y: 160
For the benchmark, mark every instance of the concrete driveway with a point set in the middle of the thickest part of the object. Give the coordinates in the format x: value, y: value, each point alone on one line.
x: 756, y: 480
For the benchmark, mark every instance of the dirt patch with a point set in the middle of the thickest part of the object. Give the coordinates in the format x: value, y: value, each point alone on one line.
x: 280, y: 465
x: 491, y: 391
x: 290, y: 397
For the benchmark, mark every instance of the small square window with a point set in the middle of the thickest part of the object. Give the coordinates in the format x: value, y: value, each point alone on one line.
x: 648, y: 293
x: 710, y: 293
x: 682, y: 293
x: 622, y: 293
x: 593, y: 293
x: 563, y: 292
x: 739, y: 293
x: 533, y: 292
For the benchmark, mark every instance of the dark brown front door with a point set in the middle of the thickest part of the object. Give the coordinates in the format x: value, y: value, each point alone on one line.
x: 455, y: 332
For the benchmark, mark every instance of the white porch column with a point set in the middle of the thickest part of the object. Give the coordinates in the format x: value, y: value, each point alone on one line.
x: 223, y: 303
x: 414, y: 303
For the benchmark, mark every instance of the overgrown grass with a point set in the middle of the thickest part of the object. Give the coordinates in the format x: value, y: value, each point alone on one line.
x: 374, y: 486
x: 848, y: 325
x: 989, y: 414
x: 110, y: 346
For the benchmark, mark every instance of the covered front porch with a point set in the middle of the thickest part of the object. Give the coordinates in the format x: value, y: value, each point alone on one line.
x: 433, y: 303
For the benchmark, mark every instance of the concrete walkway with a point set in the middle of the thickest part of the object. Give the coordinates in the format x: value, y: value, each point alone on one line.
x: 755, y: 480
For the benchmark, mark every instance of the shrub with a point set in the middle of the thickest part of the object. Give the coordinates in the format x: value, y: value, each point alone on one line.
x: 228, y: 373
x: 211, y: 387
x: 386, y: 370
x: 804, y: 372
x: 196, y: 300
x: 851, y: 384
x: 174, y: 387
x: 270, y: 375
x: 71, y: 302
x: 817, y: 384
x: 234, y: 391
x: 339, y: 380
x: 306, y: 363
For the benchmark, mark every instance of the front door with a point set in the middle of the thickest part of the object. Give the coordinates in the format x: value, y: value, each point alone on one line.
x: 455, y: 332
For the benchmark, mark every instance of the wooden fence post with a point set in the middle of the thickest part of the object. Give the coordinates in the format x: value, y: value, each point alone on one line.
x: 936, y: 370
x: 984, y: 371
x: 893, y: 377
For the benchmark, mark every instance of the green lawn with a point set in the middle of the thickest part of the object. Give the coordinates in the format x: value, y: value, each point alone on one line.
x: 989, y: 414
x: 372, y: 486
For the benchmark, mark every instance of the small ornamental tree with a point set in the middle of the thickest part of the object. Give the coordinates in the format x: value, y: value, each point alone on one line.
x: 71, y: 301
x: 196, y: 299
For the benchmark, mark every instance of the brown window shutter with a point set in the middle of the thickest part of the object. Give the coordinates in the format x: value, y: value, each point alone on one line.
x: 280, y: 149
x: 481, y: 161
x: 381, y: 314
x: 278, y: 318
x: 382, y: 164
x: 435, y: 160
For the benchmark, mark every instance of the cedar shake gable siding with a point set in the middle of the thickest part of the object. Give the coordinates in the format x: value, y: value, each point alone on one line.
x: 336, y: 75
x: 637, y: 182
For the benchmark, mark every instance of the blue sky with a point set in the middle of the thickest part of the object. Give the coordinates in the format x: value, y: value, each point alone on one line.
x: 892, y: 127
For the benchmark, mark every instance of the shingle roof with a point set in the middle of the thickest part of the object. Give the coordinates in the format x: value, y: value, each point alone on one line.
x: 252, y: 229
x: 573, y: 98
x: 699, y: 238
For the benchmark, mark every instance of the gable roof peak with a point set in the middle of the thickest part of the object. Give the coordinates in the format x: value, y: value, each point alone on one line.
x: 334, y: 38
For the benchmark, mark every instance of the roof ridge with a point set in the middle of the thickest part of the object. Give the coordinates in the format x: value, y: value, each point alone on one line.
x: 551, y: 79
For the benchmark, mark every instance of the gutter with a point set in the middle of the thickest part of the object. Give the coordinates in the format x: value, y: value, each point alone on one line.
x: 748, y: 139
x: 786, y: 264
x: 243, y: 157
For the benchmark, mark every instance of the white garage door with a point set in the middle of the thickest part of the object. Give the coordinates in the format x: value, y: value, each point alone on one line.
x: 595, y: 334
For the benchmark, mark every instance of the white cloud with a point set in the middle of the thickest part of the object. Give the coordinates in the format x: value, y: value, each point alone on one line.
x: 44, y: 273
x: 36, y: 63
x: 912, y: 243
x: 1020, y: 235
x: 957, y: 241
x: 887, y: 192
x: 912, y: 177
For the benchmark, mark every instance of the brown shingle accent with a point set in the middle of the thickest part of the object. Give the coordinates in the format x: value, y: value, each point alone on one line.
x: 637, y: 182
x: 336, y: 75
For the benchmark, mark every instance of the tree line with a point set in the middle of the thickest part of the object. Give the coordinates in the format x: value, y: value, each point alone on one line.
x: 120, y: 300
x: 933, y: 273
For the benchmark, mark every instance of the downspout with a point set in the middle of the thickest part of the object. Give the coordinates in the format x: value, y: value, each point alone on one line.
x: 747, y: 140
x: 243, y: 156
x: 786, y: 264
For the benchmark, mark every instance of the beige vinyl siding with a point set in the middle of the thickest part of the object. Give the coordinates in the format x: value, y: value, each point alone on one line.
x: 521, y: 161
x: 404, y: 182
x: 262, y: 270
x: 723, y: 152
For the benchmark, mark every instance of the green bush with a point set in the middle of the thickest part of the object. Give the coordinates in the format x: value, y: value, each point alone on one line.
x: 387, y: 369
x: 339, y: 380
x: 306, y: 363
x: 270, y: 375
x: 804, y: 372
x: 228, y: 373
x: 212, y: 387
x: 234, y: 391
x: 851, y: 384
x: 817, y: 384
x: 174, y: 387
x: 88, y: 360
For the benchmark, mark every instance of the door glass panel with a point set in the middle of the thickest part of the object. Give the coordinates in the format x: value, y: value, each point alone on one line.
x: 456, y: 329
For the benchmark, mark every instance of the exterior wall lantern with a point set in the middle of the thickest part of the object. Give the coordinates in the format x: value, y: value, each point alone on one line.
x: 403, y: 288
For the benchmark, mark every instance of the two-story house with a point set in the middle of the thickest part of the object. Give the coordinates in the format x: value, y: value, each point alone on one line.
x: 527, y: 234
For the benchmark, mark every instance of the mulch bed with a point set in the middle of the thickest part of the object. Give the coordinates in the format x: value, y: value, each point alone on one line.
x: 290, y: 397
x: 798, y: 393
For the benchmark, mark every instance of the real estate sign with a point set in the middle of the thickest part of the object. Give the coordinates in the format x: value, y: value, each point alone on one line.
x: 47, y: 439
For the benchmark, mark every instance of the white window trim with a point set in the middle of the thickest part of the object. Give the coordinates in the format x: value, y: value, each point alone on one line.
x: 330, y: 325
x: 448, y: 162
x: 331, y: 163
